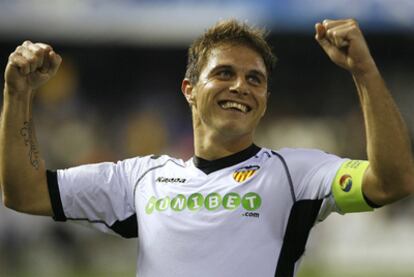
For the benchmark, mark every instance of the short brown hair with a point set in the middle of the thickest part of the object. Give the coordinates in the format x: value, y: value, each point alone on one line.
x: 227, y: 31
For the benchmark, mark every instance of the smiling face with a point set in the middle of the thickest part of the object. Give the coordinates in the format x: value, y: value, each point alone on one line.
x: 230, y: 95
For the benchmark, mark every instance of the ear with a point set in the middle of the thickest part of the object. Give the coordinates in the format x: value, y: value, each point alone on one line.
x: 187, y: 90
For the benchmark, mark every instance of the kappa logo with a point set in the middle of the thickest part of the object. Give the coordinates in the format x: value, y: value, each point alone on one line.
x: 170, y: 180
x: 244, y: 173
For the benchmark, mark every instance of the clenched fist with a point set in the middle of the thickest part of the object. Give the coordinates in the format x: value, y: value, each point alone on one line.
x: 30, y: 66
x: 344, y: 43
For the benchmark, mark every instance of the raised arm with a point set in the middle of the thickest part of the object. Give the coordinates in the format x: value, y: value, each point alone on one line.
x: 390, y: 175
x: 22, y: 171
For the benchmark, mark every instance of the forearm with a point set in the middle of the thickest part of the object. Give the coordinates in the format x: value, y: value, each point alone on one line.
x: 22, y: 172
x: 388, y: 141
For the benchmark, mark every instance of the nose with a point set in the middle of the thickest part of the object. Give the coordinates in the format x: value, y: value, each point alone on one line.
x: 239, y: 86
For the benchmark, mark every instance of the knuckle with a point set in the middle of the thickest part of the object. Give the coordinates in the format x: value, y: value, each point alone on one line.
x: 19, y: 48
x: 33, y: 47
x: 38, y: 53
x: 44, y: 46
x: 13, y: 59
x: 32, y: 60
x: 354, y: 23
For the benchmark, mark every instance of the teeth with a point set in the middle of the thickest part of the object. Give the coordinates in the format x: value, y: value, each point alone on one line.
x: 229, y: 105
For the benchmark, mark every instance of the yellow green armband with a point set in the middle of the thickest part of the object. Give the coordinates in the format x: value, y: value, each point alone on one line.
x: 347, y: 187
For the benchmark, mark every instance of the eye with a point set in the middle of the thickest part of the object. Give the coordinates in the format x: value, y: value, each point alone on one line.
x: 225, y: 74
x: 253, y: 79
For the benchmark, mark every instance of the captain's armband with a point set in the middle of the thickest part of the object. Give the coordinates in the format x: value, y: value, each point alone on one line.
x: 347, y: 187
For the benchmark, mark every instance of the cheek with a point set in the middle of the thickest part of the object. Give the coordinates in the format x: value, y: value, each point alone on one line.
x: 262, y: 103
x: 208, y: 91
x: 214, y: 85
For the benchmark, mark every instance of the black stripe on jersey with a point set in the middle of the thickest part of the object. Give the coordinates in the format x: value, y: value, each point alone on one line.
x: 127, y: 228
x: 301, y: 220
x: 292, y: 191
x: 210, y: 166
x: 54, y: 194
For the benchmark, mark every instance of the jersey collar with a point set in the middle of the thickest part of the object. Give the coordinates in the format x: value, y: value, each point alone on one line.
x: 210, y: 166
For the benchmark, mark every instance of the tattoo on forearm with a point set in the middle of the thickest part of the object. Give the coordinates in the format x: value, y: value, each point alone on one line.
x: 27, y: 133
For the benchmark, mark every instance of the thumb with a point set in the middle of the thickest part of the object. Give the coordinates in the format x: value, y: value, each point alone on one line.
x: 321, y: 37
x: 320, y: 31
x: 335, y: 54
x: 325, y: 44
x: 42, y: 77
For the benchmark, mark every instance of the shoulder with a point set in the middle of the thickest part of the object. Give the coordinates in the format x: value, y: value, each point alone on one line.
x: 303, y: 155
x: 134, y: 166
x: 150, y: 161
x: 303, y: 159
x: 311, y: 171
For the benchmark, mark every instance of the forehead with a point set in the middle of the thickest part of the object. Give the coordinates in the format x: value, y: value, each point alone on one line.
x: 238, y: 56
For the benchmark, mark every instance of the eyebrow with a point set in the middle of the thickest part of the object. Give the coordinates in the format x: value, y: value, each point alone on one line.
x: 227, y: 66
x: 221, y: 66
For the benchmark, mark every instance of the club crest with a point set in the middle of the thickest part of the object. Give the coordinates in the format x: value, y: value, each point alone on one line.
x: 244, y: 173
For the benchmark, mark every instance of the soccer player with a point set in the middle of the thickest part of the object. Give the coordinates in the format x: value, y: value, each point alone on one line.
x: 234, y: 209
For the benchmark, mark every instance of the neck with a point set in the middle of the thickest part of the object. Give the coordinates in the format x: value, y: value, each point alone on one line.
x: 213, y: 145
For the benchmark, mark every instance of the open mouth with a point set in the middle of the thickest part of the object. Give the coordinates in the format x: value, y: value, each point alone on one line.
x: 231, y: 105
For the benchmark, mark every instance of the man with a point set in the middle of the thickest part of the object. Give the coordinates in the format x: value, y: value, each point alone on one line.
x: 234, y: 209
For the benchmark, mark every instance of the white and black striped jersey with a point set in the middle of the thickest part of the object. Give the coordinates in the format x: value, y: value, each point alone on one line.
x: 248, y: 214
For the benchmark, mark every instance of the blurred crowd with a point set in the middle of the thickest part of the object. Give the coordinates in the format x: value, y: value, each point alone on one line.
x: 113, y: 102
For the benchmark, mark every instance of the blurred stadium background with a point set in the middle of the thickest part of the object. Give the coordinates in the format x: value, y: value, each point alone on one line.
x: 117, y: 95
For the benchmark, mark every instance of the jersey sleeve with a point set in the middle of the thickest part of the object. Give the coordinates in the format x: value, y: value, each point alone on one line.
x: 318, y: 176
x: 100, y: 194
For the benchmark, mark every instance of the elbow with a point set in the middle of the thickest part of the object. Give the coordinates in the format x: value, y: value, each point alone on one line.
x: 407, y: 187
x: 24, y: 202
x: 403, y: 190
x: 7, y: 203
x: 15, y: 205
x: 12, y: 202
